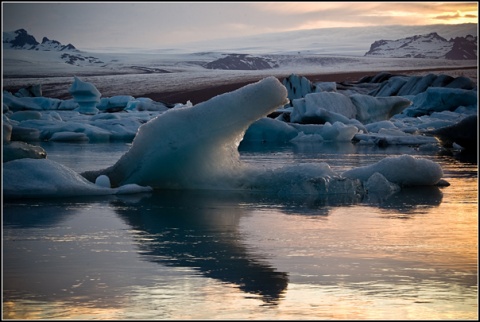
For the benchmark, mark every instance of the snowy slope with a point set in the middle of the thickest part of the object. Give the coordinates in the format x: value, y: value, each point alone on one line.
x: 430, y: 45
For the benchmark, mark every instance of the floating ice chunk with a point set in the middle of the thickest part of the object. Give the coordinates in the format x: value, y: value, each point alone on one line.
x: 393, y: 137
x: 86, y: 95
x: 45, y: 103
x: 51, y: 116
x: 332, y: 102
x: 462, y: 82
x: 403, y: 170
x: 310, y: 138
x: 377, y: 126
x: 30, y: 91
x: 31, y: 103
x: 301, y: 179
x: 312, y: 108
x: 18, y: 150
x: 47, y: 129
x: 120, y: 128
x: 115, y: 103
x: 27, y: 134
x: 146, y: 104
x: 46, y: 178
x: 298, y: 86
x: 378, y: 184
x: 68, y: 105
x: 378, y: 188
x: 325, y: 87
x: 417, y: 84
x: 187, y: 104
x: 337, y: 131
x: 437, y: 99
x: 269, y: 130
x: 18, y: 104
x: 319, y: 115
x: 373, y: 109
x: 69, y: 137
x: 195, y: 147
x: 390, y: 87
x: 25, y: 115
x: 103, y: 181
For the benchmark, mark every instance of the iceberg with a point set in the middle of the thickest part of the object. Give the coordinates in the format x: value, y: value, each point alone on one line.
x: 373, y: 109
x: 195, y: 147
x: 267, y: 130
x: 86, y: 95
x: 308, y: 106
x: 441, y: 99
x: 404, y: 170
x: 24, y: 178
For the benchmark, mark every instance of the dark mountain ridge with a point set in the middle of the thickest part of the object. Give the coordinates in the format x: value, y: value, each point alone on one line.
x: 21, y: 39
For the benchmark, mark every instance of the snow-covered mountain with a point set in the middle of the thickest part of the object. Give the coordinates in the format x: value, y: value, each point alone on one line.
x: 430, y: 45
x: 21, y: 39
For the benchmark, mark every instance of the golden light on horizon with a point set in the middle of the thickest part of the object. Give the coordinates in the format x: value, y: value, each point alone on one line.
x: 363, y: 14
x: 457, y: 17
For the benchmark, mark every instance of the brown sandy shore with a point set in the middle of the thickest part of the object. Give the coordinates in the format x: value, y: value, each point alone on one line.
x: 202, y: 94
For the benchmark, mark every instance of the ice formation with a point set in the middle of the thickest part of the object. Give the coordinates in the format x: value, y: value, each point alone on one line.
x: 403, y: 170
x: 195, y: 147
x: 26, y: 177
x: 86, y: 95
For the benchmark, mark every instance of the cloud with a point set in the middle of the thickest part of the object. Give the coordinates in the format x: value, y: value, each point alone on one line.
x: 303, y: 15
x: 455, y: 16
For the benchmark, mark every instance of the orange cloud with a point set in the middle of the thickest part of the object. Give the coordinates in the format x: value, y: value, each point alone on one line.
x: 348, y: 14
x: 456, y: 16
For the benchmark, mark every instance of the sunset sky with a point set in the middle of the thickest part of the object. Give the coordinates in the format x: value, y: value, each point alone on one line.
x: 156, y: 24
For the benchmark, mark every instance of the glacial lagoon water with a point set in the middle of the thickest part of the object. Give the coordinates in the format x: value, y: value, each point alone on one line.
x: 231, y: 255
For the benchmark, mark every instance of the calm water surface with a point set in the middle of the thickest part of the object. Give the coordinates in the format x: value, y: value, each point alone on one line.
x: 224, y: 255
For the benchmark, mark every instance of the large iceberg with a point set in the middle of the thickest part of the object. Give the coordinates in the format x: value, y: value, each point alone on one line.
x: 195, y: 147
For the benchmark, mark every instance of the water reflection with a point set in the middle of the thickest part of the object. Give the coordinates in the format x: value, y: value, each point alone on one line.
x: 408, y: 200
x: 31, y: 213
x: 295, y: 253
x: 199, y: 230
x: 464, y: 156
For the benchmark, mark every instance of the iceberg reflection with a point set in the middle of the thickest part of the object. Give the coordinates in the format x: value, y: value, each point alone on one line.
x: 199, y: 230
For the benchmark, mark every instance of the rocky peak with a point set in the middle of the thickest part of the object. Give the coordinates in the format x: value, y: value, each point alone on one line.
x: 430, y: 45
x: 20, y: 39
